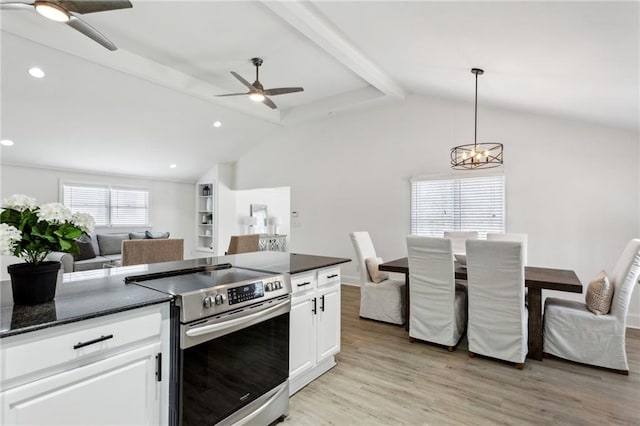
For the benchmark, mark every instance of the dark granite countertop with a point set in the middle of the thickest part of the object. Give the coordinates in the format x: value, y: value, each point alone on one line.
x: 282, y: 263
x: 84, y: 295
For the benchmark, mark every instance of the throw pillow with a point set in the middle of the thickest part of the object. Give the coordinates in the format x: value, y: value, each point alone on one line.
x: 137, y: 235
x: 86, y: 249
x: 156, y: 235
x: 372, y: 266
x: 111, y: 243
x: 599, y: 294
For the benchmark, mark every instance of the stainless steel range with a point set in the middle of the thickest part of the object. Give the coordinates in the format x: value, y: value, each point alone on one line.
x: 231, y: 345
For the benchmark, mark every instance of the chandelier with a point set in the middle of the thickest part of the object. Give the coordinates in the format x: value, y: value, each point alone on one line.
x: 476, y: 155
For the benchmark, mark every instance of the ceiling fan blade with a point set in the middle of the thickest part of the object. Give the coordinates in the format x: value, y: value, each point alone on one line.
x: 268, y: 102
x: 233, y: 94
x: 90, y: 32
x: 16, y: 6
x: 242, y: 80
x: 282, y: 90
x: 91, y: 6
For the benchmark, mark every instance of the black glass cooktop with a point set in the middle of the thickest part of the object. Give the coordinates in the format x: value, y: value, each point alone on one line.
x: 196, y: 281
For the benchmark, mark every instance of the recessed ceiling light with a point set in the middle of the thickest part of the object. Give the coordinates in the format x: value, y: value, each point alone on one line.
x: 217, y: 123
x: 51, y: 11
x: 172, y: 166
x: 36, y: 72
x: 6, y: 142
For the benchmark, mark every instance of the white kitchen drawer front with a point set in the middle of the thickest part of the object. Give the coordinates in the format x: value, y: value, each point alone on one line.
x: 89, y: 339
x: 328, y: 276
x: 303, y: 282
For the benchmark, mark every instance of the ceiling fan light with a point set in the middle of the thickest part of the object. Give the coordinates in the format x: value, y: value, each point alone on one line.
x: 256, y: 97
x: 52, y: 11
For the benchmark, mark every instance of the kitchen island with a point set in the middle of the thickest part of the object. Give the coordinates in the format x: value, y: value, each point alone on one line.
x: 89, y: 294
x: 106, y: 341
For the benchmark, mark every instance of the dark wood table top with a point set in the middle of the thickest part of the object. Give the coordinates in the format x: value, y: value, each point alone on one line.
x: 535, y: 277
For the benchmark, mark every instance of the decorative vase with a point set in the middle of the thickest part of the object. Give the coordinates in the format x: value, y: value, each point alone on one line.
x: 33, y: 284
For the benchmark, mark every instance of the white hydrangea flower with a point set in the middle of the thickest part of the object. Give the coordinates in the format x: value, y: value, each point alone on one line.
x: 55, y: 213
x: 84, y: 221
x: 9, y: 235
x: 19, y: 202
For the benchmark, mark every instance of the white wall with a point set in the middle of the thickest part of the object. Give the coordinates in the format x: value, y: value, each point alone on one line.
x: 277, y: 200
x: 572, y: 186
x: 172, y: 204
x: 232, y: 206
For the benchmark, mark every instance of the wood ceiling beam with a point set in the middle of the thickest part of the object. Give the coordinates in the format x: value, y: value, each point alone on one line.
x: 310, y: 22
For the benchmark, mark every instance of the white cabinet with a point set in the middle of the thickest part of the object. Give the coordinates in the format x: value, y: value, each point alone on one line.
x: 302, y: 346
x: 314, y: 325
x: 328, y: 322
x: 101, y: 371
x: 205, y: 217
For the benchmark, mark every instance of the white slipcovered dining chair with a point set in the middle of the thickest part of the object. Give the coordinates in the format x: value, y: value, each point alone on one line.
x: 573, y: 332
x: 383, y: 301
x: 437, y: 311
x: 458, y: 239
x: 499, y: 236
x: 497, y: 324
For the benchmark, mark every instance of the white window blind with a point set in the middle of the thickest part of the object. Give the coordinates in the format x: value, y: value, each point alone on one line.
x: 469, y: 204
x: 129, y: 207
x: 109, y: 206
x: 88, y: 199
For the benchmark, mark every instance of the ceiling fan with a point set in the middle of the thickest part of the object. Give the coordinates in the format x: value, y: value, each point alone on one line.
x: 257, y: 92
x: 65, y: 11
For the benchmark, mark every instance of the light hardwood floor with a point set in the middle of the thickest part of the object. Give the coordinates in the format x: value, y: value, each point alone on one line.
x: 382, y: 379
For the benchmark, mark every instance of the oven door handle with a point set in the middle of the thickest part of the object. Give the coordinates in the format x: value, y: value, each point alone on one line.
x: 199, y: 331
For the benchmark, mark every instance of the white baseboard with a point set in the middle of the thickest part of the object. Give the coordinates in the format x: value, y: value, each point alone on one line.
x: 351, y: 280
x: 633, y: 320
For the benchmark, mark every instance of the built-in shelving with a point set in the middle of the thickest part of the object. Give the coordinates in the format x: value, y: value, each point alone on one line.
x: 205, y: 217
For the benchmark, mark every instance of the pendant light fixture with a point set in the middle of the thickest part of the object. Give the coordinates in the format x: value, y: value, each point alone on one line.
x: 476, y: 155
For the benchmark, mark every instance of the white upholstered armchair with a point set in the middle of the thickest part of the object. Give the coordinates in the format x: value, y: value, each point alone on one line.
x: 438, y: 312
x: 383, y: 301
x: 498, y: 318
x: 458, y: 238
x: 499, y: 236
x: 573, y: 332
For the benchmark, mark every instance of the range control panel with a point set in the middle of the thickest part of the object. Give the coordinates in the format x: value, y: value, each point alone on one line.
x: 246, y: 292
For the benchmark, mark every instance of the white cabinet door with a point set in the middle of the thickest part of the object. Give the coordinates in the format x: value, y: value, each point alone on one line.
x: 302, y: 336
x: 119, y: 390
x: 328, y: 328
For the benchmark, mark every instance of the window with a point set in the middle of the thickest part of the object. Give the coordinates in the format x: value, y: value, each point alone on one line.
x: 109, y: 205
x: 469, y: 204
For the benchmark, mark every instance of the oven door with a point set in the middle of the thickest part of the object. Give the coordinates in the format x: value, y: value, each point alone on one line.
x: 227, y: 363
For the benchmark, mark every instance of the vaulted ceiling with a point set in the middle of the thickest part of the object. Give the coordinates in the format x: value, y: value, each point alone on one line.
x: 152, y: 102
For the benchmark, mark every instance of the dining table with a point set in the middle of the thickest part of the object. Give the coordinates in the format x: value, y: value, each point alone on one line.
x: 536, y: 279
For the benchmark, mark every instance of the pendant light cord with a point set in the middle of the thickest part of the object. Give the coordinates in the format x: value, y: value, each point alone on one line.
x: 475, y: 120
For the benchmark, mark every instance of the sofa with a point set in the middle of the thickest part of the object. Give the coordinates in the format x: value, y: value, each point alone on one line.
x: 100, y: 250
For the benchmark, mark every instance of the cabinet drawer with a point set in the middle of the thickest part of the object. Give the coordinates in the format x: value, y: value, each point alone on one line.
x: 303, y: 282
x: 75, y: 343
x: 328, y: 276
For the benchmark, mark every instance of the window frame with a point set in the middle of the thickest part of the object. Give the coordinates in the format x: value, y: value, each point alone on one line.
x: 110, y: 188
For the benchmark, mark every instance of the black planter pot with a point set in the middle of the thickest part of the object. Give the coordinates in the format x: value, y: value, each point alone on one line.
x: 33, y: 284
